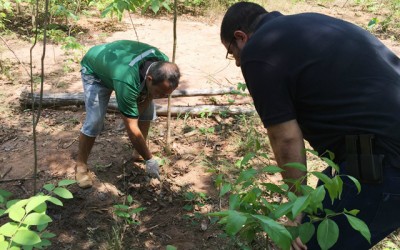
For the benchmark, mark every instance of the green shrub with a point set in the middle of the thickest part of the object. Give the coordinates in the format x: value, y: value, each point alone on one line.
x: 257, y: 207
x: 27, y: 218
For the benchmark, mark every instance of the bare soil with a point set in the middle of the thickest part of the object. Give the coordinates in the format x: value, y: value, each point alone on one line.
x: 88, y: 220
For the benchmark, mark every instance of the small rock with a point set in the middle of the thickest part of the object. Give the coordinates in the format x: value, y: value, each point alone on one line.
x: 206, y: 208
x: 135, y: 185
x: 218, y: 118
x: 204, y: 224
x: 120, y: 126
x: 152, y: 235
x: 154, y: 182
x: 102, y: 196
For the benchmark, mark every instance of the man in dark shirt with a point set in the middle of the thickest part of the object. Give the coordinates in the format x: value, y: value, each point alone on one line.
x: 335, y: 85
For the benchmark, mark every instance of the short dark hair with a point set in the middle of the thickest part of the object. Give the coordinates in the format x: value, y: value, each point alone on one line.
x: 240, y: 16
x: 161, y: 71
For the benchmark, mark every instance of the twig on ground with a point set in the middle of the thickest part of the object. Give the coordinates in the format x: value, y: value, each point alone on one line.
x: 5, y: 173
x: 148, y: 229
x: 19, y: 179
x: 194, y: 159
x: 166, y: 235
x: 21, y: 186
x: 69, y: 144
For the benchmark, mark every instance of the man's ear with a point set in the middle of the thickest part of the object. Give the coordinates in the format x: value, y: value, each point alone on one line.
x: 241, y: 38
x: 149, y: 78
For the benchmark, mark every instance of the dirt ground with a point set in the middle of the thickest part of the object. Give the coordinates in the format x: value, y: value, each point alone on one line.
x: 201, y: 145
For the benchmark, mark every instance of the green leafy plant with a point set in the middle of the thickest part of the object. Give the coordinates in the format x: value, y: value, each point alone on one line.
x: 5, y: 10
x: 194, y: 3
x: 186, y: 117
x: 205, y: 131
x: 70, y: 43
x: 231, y: 101
x: 388, y: 13
x: 170, y: 247
x: 128, y: 211
x: 251, y: 141
x: 205, y: 114
x: 28, y: 220
x: 372, y: 23
x: 240, y: 89
x: 224, y: 113
x: 193, y: 201
x: 65, y: 10
x: 118, y: 7
x: 257, y: 207
x: 241, y: 86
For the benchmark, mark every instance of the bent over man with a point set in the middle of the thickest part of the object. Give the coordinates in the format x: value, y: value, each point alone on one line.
x: 332, y: 83
x: 138, y: 73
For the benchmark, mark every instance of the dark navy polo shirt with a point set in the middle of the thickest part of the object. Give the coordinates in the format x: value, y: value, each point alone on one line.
x: 332, y: 76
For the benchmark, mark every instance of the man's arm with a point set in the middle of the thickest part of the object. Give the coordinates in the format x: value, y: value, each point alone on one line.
x: 136, y: 137
x: 287, y: 143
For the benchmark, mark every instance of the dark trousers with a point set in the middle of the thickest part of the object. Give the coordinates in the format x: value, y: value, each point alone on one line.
x: 379, y: 206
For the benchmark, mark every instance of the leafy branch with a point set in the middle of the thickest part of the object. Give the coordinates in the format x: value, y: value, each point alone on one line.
x: 254, y: 209
x: 28, y: 218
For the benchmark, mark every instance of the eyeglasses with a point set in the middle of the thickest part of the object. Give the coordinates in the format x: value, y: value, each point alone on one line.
x: 229, y: 55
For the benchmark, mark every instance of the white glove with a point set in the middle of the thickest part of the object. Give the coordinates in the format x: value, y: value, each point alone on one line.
x: 152, y: 168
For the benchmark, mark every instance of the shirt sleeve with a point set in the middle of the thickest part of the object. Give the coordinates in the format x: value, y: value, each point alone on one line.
x: 126, y: 97
x: 270, y: 87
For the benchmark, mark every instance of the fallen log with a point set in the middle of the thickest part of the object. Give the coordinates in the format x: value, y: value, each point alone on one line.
x: 199, y: 109
x: 204, y: 92
x: 67, y: 99
x: 55, y: 100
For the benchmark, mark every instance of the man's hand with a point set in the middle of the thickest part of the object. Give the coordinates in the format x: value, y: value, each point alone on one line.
x: 296, y: 243
x: 152, y: 168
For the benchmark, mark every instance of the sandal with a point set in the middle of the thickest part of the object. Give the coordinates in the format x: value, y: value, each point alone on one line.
x: 83, y: 178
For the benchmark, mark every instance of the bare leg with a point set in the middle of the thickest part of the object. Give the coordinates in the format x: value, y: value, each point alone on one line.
x: 81, y: 172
